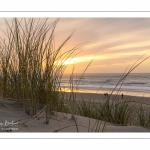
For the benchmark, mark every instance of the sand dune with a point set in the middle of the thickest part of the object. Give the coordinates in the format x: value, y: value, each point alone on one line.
x: 14, y: 119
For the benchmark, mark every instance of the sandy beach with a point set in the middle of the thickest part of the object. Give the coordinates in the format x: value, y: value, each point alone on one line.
x: 14, y: 119
x: 99, y: 97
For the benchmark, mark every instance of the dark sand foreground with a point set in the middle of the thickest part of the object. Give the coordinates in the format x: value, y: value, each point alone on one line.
x: 14, y: 119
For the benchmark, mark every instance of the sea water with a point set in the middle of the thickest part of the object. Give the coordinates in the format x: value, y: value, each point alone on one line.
x: 137, y: 84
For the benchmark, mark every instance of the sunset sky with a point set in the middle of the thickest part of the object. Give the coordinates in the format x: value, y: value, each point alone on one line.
x: 117, y: 43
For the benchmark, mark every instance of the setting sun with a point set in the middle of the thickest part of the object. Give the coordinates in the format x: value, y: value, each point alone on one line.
x: 75, y: 60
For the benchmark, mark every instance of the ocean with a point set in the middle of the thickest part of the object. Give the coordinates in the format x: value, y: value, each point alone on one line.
x: 136, y: 84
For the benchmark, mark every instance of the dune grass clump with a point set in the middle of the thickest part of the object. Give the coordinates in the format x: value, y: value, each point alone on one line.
x: 118, y: 111
x: 142, y: 113
x: 31, y: 67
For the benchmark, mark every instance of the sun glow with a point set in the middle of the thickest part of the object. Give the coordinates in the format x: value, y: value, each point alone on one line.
x: 70, y: 61
x: 76, y: 60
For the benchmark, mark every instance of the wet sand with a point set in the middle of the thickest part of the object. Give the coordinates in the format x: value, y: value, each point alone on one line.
x: 100, y: 97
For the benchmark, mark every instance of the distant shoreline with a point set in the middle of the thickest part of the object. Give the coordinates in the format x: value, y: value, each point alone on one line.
x: 129, y: 93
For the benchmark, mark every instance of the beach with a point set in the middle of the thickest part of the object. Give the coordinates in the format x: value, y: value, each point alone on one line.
x: 96, y: 97
x: 14, y: 119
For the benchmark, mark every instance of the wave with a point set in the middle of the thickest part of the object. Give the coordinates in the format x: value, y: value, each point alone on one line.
x: 109, y: 81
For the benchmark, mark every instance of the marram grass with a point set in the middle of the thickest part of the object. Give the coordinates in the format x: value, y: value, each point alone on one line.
x: 30, y: 68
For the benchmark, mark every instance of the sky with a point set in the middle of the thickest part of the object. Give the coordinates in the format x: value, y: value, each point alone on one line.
x: 114, y: 44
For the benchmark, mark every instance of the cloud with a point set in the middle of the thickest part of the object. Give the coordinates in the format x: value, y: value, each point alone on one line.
x: 116, y: 40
